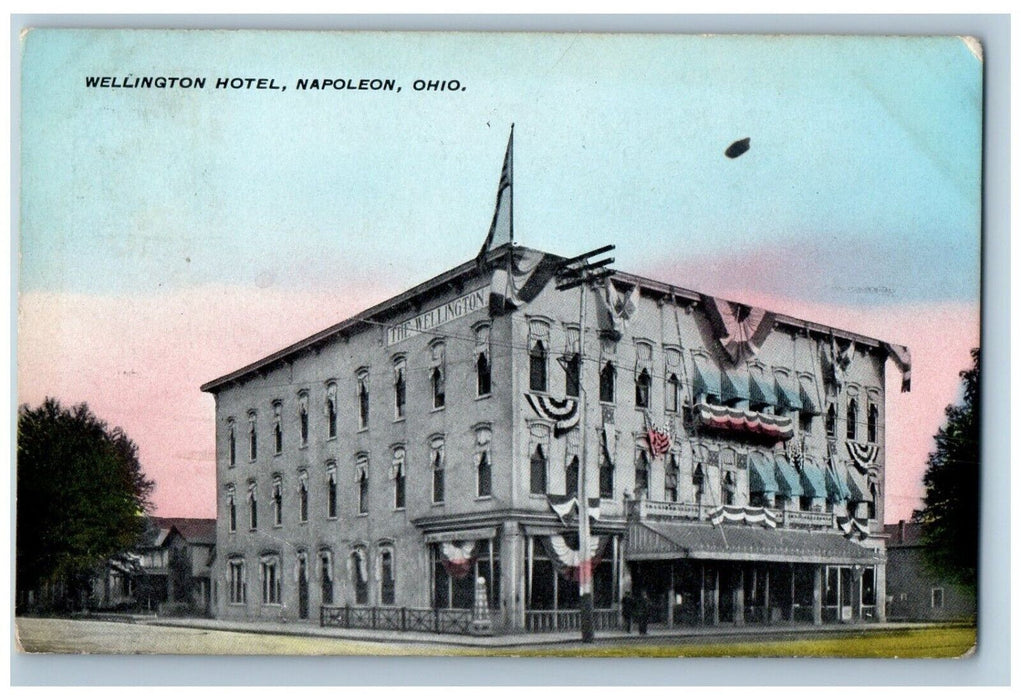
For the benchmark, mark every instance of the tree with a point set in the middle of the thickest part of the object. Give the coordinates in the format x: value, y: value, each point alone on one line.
x: 81, y: 497
x: 950, y: 516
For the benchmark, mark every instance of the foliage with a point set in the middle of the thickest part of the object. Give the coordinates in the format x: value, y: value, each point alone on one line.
x: 81, y: 496
x: 950, y: 516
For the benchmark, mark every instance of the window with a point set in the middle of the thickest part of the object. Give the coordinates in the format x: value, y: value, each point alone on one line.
x: 571, y: 362
x: 359, y: 568
x: 831, y: 421
x: 278, y: 428
x: 362, y: 479
x: 400, y: 386
x: 363, y: 399
x: 483, y: 366
x: 805, y: 420
x: 252, y: 437
x: 671, y: 478
x: 397, y: 475
x: 642, y: 473
x: 387, y: 575
x: 605, y: 476
x: 303, y: 417
x: 538, y: 346
x: 278, y: 502
x: 303, y: 496
x: 643, y: 384
x: 483, y: 468
x: 438, y: 375
x: 253, y: 507
x: 232, y: 446
x: 852, y: 419
x: 232, y: 511
x: 729, y: 489
x: 331, y: 490
x: 607, y: 379
x: 436, y: 462
x: 236, y: 574
x: 937, y: 598
x: 571, y: 477
x: 537, y: 480
x: 673, y: 393
x: 331, y: 410
x: 326, y: 576
x: 269, y: 571
x: 873, y: 423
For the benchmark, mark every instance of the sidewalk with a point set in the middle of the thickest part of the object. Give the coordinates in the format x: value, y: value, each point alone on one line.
x: 311, y: 629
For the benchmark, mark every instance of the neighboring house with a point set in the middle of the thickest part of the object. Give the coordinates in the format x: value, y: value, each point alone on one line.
x: 737, y: 458
x: 912, y: 592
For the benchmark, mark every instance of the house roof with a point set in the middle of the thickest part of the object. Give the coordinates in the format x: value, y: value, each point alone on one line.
x: 193, y: 530
x: 903, y: 534
x: 386, y: 310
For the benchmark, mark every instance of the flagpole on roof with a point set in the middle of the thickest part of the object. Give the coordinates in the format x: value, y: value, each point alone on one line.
x: 510, y: 178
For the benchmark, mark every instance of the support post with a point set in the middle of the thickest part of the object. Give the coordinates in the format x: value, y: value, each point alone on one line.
x: 817, y: 596
x: 738, y: 594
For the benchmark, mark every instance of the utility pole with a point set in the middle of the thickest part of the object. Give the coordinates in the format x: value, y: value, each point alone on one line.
x: 579, y: 272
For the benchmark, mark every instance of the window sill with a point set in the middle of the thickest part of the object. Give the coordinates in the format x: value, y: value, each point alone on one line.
x: 331, y: 517
x: 331, y: 438
x: 362, y: 515
x: 437, y: 409
x: 278, y: 454
x: 303, y: 447
x: 483, y: 396
x: 363, y: 430
x: 400, y: 509
x: 437, y: 504
x: 272, y: 605
x: 484, y: 498
x: 400, y: 419
x: 237, y: 604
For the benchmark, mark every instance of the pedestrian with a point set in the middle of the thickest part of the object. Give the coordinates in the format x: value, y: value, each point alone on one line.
x: 641, y: 612
x: 627, y: 609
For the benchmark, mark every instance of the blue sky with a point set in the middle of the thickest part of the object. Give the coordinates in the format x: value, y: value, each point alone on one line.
x: 864, y: 163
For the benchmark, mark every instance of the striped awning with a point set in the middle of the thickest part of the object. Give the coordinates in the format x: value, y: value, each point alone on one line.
x: 809, y: 396
x: 836, y: 486
x: 857, y: 486
x: 736, y: 385
x: 788, y: 393
x: 813, y: 482
x: 707, y: 377
x: 761, y: 474
x: 762, y: 389
x: 787, y: 478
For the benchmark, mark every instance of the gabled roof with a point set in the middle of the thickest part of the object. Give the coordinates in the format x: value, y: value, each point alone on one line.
x: 193, y: 530
x: 904, y: 534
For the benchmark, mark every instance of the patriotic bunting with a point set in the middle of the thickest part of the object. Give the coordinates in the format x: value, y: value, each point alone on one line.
x: 529, y: 272
x: 854, y: 527
x: 743, y: 514
x: 571, y: 563
x: 838, y: 360
x: 740, y: 329
x: 563, y: 506
x: 795, y: 454
x: 862, y: 453
x: 616, y: 309
x: 457, y: 561
x: 901, y: 356
x: 659, y: 442
x: 563, y: 412
x: 726, y: 418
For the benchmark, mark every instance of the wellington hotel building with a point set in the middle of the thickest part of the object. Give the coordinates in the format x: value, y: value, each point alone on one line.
x: 418, y: 465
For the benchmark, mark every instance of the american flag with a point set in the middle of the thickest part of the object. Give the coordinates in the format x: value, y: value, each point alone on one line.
x: 659, y: 441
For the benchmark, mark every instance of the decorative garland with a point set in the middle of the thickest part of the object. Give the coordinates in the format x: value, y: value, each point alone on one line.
x: 564, y: 412
x: 854, y: 527
x: 563, y: 506
x: 740, y: 329
x: 863, y: 454
x: 743, y: 514
x: 457, y: 561
x: 726, y: 418
x: 570, y: 563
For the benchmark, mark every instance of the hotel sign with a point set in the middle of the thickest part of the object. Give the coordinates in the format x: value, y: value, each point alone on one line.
x: 427, y: 320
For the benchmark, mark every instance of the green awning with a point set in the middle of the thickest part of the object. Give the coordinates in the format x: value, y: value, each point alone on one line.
x: 707, y: 377
x: 761, y: 474
x: 858, y: 486
x: 735, y: 385
x: 809, y: 396
x: 788, y: 392
x: 762, y: 389
x: 787, y: 478
x: 813, y: 483
x: 836, y: 487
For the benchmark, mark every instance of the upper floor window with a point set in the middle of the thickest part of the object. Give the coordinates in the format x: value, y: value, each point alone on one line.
x: 438, y: 375
x: 253, y: 451
x: 278, y: 502
x: 278, y: 428
x: 436, y: 462
x: 362, y: 480
x: 831, y: 421
x: 232, y: 511
x: 852, y: 419
x: 331, y: 410
x: 232, y: 445
x: 673, y: 393
x: 483, y: 365
x: 331, y: 490
x: 607, y: 382
x: 643, y: 386
x: 303, y: 496
x: 873, y: 423
x: 538, y: 353
x: 400, y: 386
x: 729, y: 488
x: 303, y: 417
x: 642, y: 473
x: 253, y: 506
x: 538, y: 479
x: 483, y: 467
x: 606, y: 475
x: 397, y: 475
x: 571, y: 476
x: 571, y: 361
x: 671, y: 478
x: 363, y: 398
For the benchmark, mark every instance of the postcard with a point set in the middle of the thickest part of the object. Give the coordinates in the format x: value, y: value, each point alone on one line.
x: 384, y: 343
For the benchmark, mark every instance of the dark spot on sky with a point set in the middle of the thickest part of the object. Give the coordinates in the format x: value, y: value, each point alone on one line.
x: 737, y: 148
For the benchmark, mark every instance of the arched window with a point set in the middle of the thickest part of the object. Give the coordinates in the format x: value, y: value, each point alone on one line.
x: 729, y: 488
x: 363, y: 398
x: 852, y: 419
x: 303, y: 496
x: 642, y: 473
x: 436, y: 462
x: 278, y: 428
x: 232, y: 449
x: 400, y: 386
x: 326, y: 576
x: 278, y: 502
x: 483, y: 467
x: 397, y: 475
x: 253, y: 507
x: 831, y: 421
x: 269, y: 572
x: 438, y: 375
x: 607, y: 381
x: 643, y: 385
x: 537, y: 366
x: 606, y: 476
x: 232, y: 512
x: 671, y: 478
x: 873, y: 423
x: 331, y: 409
x: 303, y: 416
x: 236, y: 579
x: 483, y: 367
x: 673, y: 393
x: 387, y: 575
x: 331, y: 490
x: 537, y: 480
x: 571, y: 477
x: 362, y: 479
x: 252, y: 437
x: 359, y: 568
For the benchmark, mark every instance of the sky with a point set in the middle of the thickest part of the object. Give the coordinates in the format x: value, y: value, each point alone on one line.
x: 169, y: 236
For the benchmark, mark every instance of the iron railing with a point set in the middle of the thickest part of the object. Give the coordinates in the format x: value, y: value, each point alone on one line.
x: 443, y: 621
x: 569, y: 620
